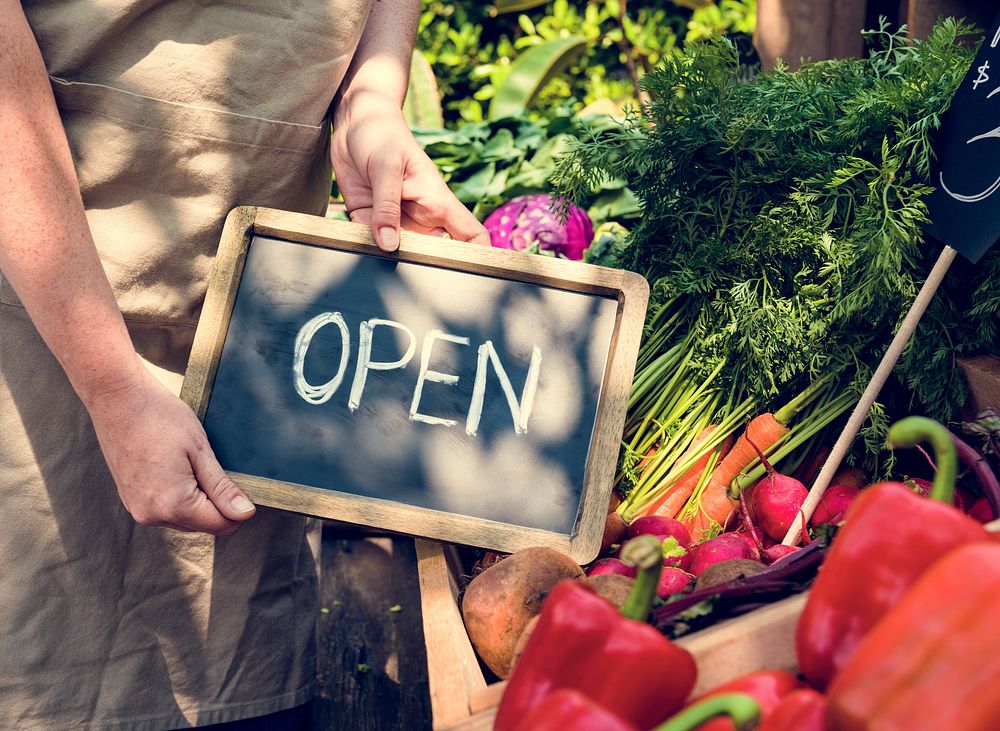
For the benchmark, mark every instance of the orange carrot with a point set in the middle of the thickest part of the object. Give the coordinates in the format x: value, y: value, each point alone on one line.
x: 673, y: 499
x: 715, y: 505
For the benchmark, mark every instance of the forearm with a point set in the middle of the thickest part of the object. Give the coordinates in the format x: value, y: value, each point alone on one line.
x: 46, y: 250
x: 381, y: 64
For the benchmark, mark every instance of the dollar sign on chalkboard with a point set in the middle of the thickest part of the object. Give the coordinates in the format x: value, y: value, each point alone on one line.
x: 965, y: 205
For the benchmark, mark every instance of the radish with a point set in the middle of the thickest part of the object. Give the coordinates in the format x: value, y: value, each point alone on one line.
x: 721, y: 548
x: 611, y: 566
x: 748, y: 537
x: 672, y: 581
x: 777, y: 551
x: 923, y: 487
x: 661, y: 527
x: 776, y: 500
x: 851, y: 476
x: 834, y: 504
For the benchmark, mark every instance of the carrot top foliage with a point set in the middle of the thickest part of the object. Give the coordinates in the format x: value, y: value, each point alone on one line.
x: 782, y: 218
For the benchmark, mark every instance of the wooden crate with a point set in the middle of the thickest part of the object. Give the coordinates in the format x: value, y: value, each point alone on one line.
x: 462, y: 699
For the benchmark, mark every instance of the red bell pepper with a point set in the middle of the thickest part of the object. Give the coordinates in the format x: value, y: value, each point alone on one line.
x: 800, y: 710
x: 620, y: 663
x: 767, y: 687
x: 933, y: 662
x: 570, y: 710
x: 889, y: 538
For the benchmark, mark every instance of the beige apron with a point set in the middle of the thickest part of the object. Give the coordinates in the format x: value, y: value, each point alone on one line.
x: 175, y: 113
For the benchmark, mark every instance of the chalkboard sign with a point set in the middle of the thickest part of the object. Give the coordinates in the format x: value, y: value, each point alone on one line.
x: 965, y: 205
x: 446, y: 390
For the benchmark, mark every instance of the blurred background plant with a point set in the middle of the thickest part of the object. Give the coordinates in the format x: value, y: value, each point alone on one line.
x: 497, y: 90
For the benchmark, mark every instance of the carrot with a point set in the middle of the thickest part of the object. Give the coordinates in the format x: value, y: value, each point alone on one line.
x: 673, y: 499
x: 714, y: 504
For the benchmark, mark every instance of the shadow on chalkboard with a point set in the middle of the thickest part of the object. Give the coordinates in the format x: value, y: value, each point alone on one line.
x: 259, y: 425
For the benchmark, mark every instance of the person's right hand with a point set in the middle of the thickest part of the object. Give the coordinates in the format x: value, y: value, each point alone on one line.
x: 159, y: 456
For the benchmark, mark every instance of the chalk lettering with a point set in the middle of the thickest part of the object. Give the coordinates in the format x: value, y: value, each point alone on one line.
x: 519, y: 411
x: 365, y: 363
x: 432, y: 376
x: 319, y: 394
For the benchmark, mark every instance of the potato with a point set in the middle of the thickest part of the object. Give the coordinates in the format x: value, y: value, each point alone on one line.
x: 726, y: 571
x: 500, y: 601
x: 613, y: 587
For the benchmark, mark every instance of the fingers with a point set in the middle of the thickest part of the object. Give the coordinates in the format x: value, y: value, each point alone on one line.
x: 222, y: 492
x: 387, y: 192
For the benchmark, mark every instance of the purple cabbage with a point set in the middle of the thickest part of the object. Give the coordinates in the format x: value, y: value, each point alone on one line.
x: 527, y: 223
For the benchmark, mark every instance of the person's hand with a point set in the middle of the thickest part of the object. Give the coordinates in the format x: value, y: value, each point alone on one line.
x: 159, y: 456
x: 387, y: 180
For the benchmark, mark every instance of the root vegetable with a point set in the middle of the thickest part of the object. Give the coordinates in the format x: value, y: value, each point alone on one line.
x: 500, y: 601
x: 611, y: 566
x: 721, y: 548
x: 778, y: 551
x: 833, y: 505
x: 661, y: 527
x: 725, y: 572
x: 672, y: 581
x: 614, y: 531
x: 613, y: 587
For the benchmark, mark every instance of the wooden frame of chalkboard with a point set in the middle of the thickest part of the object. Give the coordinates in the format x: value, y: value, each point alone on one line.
x: 629, y: 290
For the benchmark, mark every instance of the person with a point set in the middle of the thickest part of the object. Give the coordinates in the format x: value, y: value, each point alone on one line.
x: 129, y: 129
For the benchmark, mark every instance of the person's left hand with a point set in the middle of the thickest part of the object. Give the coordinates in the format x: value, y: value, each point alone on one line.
x: 388, y: 181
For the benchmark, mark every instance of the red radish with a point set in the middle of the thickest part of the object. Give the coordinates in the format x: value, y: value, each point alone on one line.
x: 721, y: 548
x: 661, y: 527
x: 611, y: 566
x: 981, y: 510
x: 851, y: 476
x: 746, y: 536
x: 834, y: 504
x: 777, y: 500
x: 777, y: 551
x: 672, y: 581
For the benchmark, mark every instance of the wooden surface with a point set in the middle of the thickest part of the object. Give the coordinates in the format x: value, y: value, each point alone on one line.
x: 372, y: 665
x: 580, y: 539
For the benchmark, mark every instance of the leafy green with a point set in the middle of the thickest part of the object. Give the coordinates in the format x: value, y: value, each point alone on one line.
x: 488, y: 163
x: 782, y: 218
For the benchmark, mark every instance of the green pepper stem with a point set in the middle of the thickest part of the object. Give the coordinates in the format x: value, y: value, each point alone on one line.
x: 742, y: 710
x: 913, y: 429
x: 645, y: 552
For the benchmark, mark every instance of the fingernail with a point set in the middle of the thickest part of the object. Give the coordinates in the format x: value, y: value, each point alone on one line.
x: 387, y: 235
x: 242, y: 505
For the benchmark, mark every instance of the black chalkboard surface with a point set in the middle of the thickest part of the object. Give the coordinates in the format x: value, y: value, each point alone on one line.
x: 420, y: 392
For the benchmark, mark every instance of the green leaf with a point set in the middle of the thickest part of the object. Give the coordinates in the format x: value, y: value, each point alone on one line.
x: 515, y: 6
x: 530, y: 73
x: 422, y: 106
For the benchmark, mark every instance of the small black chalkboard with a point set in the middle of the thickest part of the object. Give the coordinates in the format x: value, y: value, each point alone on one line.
x: 448, y: 391
x: 965, y: 205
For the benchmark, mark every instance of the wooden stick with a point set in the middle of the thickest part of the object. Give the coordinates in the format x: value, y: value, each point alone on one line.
x: 878, y: 380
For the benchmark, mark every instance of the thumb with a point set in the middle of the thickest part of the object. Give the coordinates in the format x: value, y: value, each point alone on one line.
x: 222, y: 491
x: 387, y: 191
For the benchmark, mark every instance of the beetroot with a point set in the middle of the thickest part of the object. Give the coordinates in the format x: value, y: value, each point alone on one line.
x: 672, y: 581
x: 611, y: 566
x: 721, y: 548
x: 834, y: 504
x: 661, y: 527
